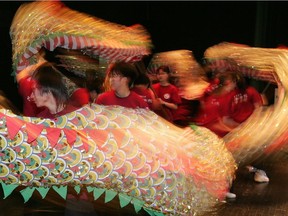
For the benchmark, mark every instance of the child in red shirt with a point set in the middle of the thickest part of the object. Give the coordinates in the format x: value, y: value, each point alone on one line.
x: 166, y: 92
x: 121, y: 77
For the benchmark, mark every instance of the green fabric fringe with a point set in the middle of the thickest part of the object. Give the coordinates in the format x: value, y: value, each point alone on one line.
x: 97, y: 192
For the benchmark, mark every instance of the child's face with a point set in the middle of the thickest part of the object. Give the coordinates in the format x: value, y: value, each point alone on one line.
x: 117, y: 81
x: 39, y: 98
x: 162, y: 76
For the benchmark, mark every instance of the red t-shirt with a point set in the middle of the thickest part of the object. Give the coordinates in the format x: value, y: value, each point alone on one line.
x: 212, y: 108
x: 243, y: 104
x: 145, y: 94
x: 46, y: 113
x: 209, y: 109
x: 236, y: 104
x: 80, y: 97
x: 184, y: 110
x: 168, y: 94
x: 133, y: 100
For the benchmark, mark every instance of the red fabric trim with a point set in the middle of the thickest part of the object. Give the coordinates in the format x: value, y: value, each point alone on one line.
x: 13, y: 126
x: 33, y: 131
x: 99, y: 136
x: 71, y: 136
x: 53, y: 135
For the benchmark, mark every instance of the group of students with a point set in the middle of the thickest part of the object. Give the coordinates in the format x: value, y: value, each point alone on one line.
x: 226, y: 103
x: 47, y: 93
x: 133, y: 89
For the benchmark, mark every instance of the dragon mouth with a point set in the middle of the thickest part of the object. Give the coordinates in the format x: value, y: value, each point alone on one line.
x: 52, y: 25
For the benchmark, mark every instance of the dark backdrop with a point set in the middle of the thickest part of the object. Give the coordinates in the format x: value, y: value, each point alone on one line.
x: 192, y: 25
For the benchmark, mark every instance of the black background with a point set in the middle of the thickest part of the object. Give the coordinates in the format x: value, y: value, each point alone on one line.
x: 173, y: 25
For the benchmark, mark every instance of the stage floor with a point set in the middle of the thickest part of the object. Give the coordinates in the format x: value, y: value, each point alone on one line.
x: 259, y: 199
